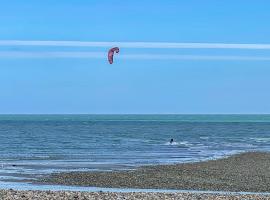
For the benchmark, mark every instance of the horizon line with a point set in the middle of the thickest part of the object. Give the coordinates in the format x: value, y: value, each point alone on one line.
x: 134, y: 114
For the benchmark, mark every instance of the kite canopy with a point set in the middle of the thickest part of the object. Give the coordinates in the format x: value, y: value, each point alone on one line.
x: 111, y: 53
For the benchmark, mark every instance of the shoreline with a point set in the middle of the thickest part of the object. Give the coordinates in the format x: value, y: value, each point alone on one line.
x: 244, y: 172
x: 240, y: 176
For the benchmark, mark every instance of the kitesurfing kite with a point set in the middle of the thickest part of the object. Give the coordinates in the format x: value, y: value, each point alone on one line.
x: 111, y: 53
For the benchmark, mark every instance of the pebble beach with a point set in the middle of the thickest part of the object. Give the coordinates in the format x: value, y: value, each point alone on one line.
x: 68, y: 195
x: 246, y: 172
x: 240, y: 173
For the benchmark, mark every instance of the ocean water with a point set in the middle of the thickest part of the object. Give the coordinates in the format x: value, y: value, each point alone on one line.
x: 36, y: 145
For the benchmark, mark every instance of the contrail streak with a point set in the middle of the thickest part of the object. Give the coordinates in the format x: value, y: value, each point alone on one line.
x: 51, y: 54
x: 193, y: 57
x: 102, y: 55
x: 158, y: 45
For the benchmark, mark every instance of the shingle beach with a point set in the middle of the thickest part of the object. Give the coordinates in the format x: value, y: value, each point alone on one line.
x: 68, y: 195
x: 246, y: 172
x: 249, y: 172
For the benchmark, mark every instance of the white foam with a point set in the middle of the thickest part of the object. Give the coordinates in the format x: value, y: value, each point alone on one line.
x: 204, y: 138
x: 261, y: 139
x: 183, y: 143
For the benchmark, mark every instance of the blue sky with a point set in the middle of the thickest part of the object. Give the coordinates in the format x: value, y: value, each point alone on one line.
x: 91, y: 85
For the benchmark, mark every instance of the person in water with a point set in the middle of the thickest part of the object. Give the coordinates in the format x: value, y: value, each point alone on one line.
x: 171, y: 141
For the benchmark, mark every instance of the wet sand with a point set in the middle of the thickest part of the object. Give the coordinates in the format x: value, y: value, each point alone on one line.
x: 248, y: 172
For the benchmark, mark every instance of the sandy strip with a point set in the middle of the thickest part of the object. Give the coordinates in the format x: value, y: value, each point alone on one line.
x: 247, y: 172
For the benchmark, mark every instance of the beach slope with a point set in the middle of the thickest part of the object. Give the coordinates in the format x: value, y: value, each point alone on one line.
x: 249, y: 172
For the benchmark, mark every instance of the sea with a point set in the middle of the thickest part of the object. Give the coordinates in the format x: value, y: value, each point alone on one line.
x: 32, y: 146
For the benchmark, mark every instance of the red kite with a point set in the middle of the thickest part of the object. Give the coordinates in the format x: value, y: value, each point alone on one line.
x: 111, y: 53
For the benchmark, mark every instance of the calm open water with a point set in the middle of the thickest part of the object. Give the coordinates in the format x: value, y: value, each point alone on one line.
x: 32, y: 145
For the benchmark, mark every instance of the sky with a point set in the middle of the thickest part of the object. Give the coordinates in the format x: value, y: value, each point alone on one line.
x: 77, y: 79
